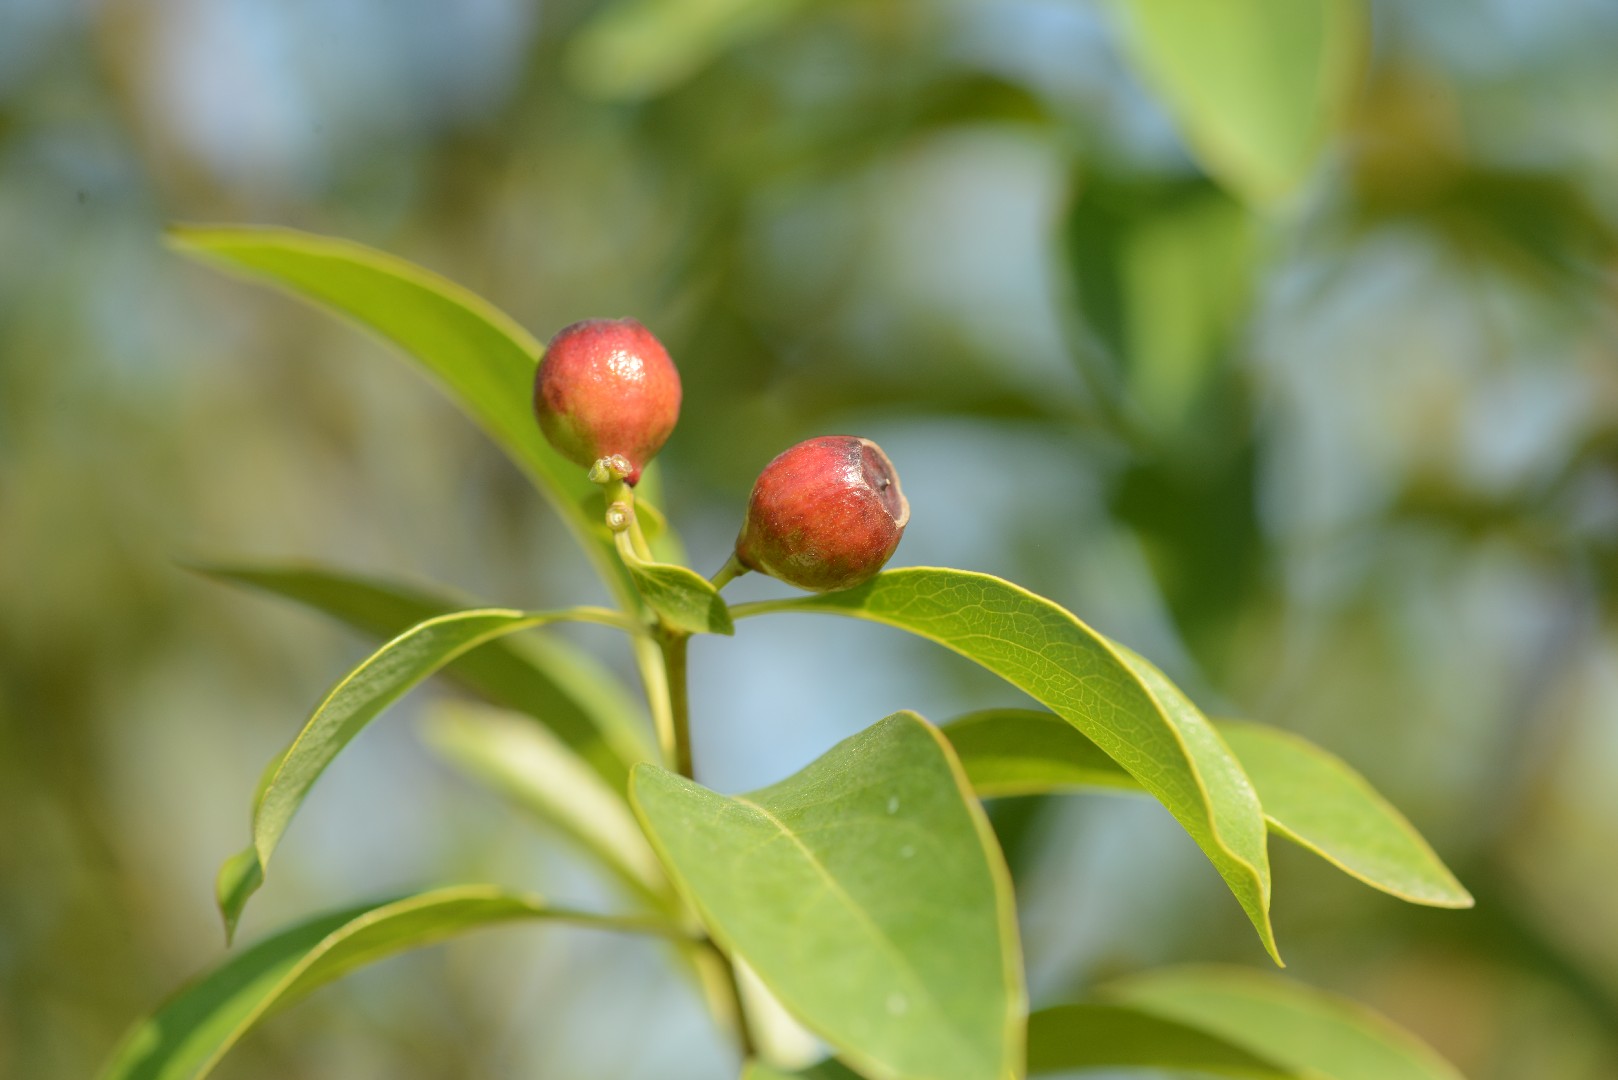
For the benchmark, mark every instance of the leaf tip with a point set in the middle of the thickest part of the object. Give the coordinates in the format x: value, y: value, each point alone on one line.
x: 239, y: 878
x: 183, y: 236
x: 1266, y: 936
x: 1458, y: 898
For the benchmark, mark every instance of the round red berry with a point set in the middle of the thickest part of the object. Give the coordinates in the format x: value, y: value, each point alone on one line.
x: 826, y: 514
x: 606, y: 387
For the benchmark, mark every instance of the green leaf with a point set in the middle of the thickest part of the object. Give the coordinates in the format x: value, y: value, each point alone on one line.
x: 188, y: 1035
x: 639, y: 48
x: 382, y: 679
x: 479, y: 355
x: 1123, y: 705
x: 1298, y: 1026
x: 867, y: 893
x: 1029, y: 752
x: 537, y: 771
x: 1309, y: 796
x: 683, y: 599
x: 1257, y: 86
x: 1313, y: 798
x: 562, y: 686
x: 1096, y: 1036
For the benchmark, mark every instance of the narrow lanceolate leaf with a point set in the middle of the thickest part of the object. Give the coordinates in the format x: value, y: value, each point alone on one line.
x: 479, y: 355
x: 683, y: 599
x: 534, y: 769
x: 1257, y: 86
x: 868, y: 894
x: 1318, y: 1034
x: 1308, y: 795
x: 1131, y: 712
x: 1314, y: 798
x: 186, y: 1038
x: 384, y: 677
x: 563, y: 687
x: 1095, y: 1036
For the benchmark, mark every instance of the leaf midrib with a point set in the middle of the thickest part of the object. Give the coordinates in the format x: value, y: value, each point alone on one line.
x: 832, y: 884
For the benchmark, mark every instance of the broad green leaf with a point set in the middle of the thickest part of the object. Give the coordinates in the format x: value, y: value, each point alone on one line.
x: 481, y: 357
x: 537, y: 771
x: 1285, y: 1021
x: 683, y: 599
x: 1096, y: 1036
x: 639, y: 48
x: 1257, y: 86
x: 825, y: 1070
x: 867, y: 893
x: 562, y: 686
x: 1315, y: 799
x: 188, y: 1035
x: 1124, y: 706
x: 1309, y: 796
x: 379, y: 681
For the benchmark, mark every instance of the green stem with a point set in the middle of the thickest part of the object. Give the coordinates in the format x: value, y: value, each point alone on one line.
x: 767, y: 607
x: 732, y: 570
x: 665, y: 673
x: 638, y: 539
x: 675, y: 646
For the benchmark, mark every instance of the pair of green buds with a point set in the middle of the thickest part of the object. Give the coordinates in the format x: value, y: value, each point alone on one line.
x: 826, y: 514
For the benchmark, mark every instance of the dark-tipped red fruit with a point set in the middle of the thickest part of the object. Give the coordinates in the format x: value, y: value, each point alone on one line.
x: 824, y: 515
x: 605, y: 387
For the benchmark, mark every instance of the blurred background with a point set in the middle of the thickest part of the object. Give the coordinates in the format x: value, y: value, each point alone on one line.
x: 1320, y: 414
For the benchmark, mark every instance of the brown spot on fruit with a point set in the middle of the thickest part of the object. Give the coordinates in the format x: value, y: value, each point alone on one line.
x: 826, y: 514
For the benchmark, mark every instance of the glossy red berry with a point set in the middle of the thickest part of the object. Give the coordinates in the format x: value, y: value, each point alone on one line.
x: 605, y: 387
x: 824, y: 515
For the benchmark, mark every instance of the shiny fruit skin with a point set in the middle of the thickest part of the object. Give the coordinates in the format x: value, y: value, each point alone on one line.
x: 826, y: 514
x: 605, y: 387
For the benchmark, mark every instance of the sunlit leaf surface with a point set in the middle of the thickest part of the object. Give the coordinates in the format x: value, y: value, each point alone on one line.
x: 188, y: 1035
x: 1137, y: 717
x: 1303, y: 1028
x: 868, y: 894
x: 479, y: 355
x: 1309, y: 796
x: 1314, y: 798
x: 353, y: 703
x: 683, y: 599
x: 565, y: 688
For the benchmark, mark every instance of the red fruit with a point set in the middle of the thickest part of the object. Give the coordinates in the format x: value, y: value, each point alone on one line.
x: 824, y: 515
x: 605, y: 387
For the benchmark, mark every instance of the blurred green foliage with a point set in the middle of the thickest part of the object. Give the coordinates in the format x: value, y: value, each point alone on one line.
x: 1344, y: 456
